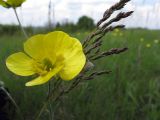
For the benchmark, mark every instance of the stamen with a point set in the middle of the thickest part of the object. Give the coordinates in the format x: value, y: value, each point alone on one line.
x: 42, y: 68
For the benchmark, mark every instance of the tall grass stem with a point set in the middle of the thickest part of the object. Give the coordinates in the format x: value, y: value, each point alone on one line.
x: 50, y: 104
x: 20, y: 24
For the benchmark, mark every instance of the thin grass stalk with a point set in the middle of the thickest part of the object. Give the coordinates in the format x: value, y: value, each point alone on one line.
x: 50, y: 104
x: 20, y: 24
x: 49, y: 98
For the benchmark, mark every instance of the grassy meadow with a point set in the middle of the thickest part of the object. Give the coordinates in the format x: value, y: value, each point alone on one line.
x: 130, y: 92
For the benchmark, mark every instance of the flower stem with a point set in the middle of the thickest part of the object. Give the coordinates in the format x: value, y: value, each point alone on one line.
x: 22, y: 29
x: 50, y: 104
x: 49, y: 98
x: 14, y: 103
x: 41, y: 111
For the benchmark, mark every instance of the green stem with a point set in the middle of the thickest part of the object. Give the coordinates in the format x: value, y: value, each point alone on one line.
x: 22, y: 29
x: 41, y: 111
x: 45, y: 104
x: 49, y: 98
x: 50, y: 104
x: 14, y: 103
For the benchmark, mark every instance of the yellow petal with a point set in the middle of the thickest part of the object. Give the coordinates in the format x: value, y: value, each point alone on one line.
x: 15, y: 3
x: 43, y: 79
x: 71, y: 50
x: 4, y: 4
x: 35, y: 48
x: 61, y: 43
x: 20, y: 64
x: 73, y: 66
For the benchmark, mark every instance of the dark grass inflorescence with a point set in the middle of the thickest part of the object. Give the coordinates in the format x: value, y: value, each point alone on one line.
x: 93, y: 43
x: 92, y: 49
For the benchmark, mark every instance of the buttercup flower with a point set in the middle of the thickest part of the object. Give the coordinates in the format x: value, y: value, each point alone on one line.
x: 156, y: 41
x: 148, y: 45
x: 117, y: 30
x: 11, y: 3
x: 53, y: 54
x: 142, y: 39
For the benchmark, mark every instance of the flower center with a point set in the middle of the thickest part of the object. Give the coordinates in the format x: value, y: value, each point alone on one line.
x: 47, y: 64
x: 42, y: 68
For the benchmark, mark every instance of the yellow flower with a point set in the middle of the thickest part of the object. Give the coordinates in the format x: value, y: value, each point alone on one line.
x: 142, y: 39
x: 53, y: 54
x: 117, y: 30
x: 11, y: 3
x: 148, y: 45
x: 156, y: 41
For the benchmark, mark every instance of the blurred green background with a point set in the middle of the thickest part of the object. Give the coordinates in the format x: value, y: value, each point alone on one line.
x: 130, y: 92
